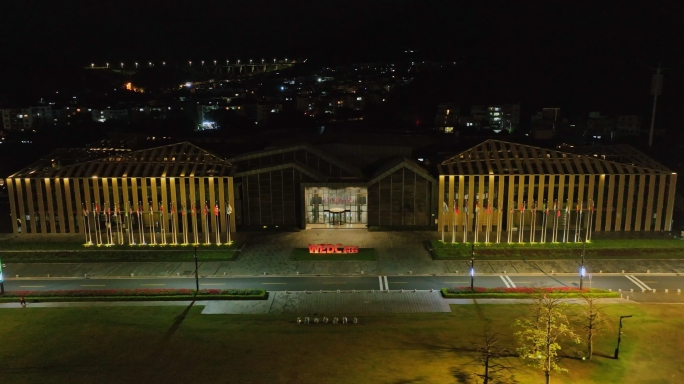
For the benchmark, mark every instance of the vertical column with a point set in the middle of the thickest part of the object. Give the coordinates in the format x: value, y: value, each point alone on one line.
x: 640, y: 202
x: 145, y: 202
x: 440, y: 207
x: 231, y: 200
x: 31, y: 209
x: 609, y: 202
x: 500, y: 201
x: 480, y: 220
x: 662, y: 179
x: 79, y: 205
x: 599, y: 203
x: 649, y: 202
x: 40, y: 197
x: 561, y: 195
x: 620, y: 201
x: 71, y: 212
x: 203, y: 203
x: 630, y: 202
x: 591, y: 197
x: 22, y: 212
x: 173, y: 199
x: 222, y: 197
x: 13, y: 205
x: 490, y: 200
x: 212, y: 203
x: 461, y: 199
x: 580, y: 197
x: 106, y: 200
x: 571, y: 196
x: 184, y: 200
x: 60, y: 208
x: 670, y: 202
x: 510, y: 203
x: 471, y: 200
x: 50, y: 207
x: 89, y: 204
x: 193, y: 202
x: 163, y: 216
x: 450, y: 199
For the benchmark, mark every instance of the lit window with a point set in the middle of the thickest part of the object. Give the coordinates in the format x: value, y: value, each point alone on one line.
x: 448, y: 129
x: 359, y: 98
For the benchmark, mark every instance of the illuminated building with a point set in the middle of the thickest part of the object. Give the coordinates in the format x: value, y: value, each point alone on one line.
x: 522, y: 193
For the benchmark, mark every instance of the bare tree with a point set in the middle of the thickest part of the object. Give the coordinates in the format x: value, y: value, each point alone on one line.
x: 593, y: 322
x: 488, y: 355
x: 540, y: 336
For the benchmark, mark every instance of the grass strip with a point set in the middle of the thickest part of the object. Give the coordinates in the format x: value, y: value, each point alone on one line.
x: 30, y: 299
x: 302, y: 254
x: 598, y: 249
x: 448, y: 293
x: 131, y: 255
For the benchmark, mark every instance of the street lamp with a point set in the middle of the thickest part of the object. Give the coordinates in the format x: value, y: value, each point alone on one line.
x: 190, y: 63
x: 582, y: 269
x: 196, y: 272
x: 617, y: 349
x: 472, y: 268
x: 2, y: 281
x: 107, y: 65
x: 121, y: 65
x: 136, y: 65
x: 92, y: 65
x: 214, y: 62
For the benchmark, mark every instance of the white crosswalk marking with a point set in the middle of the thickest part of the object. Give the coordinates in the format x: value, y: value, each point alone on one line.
x: 510, y: 281
x: 505, y: 281
x: 380, y: 280
x: 638, y: 282
x: 386, y: 283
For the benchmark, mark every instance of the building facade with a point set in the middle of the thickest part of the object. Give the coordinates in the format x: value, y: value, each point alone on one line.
x: 172, y: 194
x: 303, y: 186
x: 518, y: 193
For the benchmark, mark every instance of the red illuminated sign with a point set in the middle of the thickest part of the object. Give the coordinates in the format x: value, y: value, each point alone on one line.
x: 333, y: 248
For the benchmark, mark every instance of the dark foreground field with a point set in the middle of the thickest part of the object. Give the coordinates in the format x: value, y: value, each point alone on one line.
x: 179, y: 345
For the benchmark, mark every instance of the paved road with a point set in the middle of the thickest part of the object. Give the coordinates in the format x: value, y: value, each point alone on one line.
x: 614, y: 282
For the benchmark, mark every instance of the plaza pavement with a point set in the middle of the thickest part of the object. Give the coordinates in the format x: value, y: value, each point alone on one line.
x: 398, y: 253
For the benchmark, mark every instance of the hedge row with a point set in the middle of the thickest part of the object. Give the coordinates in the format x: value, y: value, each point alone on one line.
x: 146, y: 293
x: 447, y: 293
x: 526, y: 290
x: 33, y: 299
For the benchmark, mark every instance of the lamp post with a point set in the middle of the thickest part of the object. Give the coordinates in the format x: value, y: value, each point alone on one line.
x: 617, y: 349
x: 582, y: 270
x: 472, y: 268
x: 2, y: 281
x: 196, y: 272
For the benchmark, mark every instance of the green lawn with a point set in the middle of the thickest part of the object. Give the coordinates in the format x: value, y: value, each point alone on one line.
x: 166, y: 345
x: 597, y: 249
x: 302, y: 254
x: 72, y: 254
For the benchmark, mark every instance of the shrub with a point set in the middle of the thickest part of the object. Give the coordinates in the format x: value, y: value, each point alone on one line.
x: 522, y: 290
x: 135, y: 293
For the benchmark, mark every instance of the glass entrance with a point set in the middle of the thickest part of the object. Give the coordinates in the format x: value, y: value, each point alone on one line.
x: 335, y: 207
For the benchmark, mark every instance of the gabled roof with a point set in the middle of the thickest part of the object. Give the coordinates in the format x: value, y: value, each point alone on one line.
x: 621, y: 153
x: 303, y: 168
x: 396, y: 164
x: 495, y: 157
x: 267, y: 152
x: 175, y: 160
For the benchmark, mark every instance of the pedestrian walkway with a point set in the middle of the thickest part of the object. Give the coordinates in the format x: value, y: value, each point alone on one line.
x: 398, y: 253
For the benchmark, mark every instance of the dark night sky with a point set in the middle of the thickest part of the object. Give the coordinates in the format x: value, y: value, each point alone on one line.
x: 541, y: 52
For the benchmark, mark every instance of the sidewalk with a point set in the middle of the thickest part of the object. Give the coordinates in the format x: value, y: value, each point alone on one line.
x: 398, y: 253
x: 317, y: 303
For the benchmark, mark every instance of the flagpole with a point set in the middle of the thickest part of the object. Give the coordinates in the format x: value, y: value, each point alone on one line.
x: 185, y: 222
x: 591, y: 217
x: 453, y: 225
x: 498, y: 224
x: 206, y: 222
x: 465, y: 224
x: 229, y: 211
x: 121, y: 237
x: 510, y: 224
x: 141, y: 232
x: 477, y: 221
x: 534, y: 221
x: 218, y: 224
x: 153, y: 237
x: 441, y: 222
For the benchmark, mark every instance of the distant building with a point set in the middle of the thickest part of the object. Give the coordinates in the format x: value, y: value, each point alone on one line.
x: 628, y: 125
x: 25, y: 118
x: 497, y: 117
x: 546, y: 123
x: 447, y: 117
x: 103, y: 115
x: 600, y: 126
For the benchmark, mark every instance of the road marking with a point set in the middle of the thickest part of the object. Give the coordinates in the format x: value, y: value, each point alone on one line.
x: 151, y: 285
x: 339, y: 282
x: 380, y: 280
x: 274, y: 283
x: 93, y: 285
x: 638, y: 282
x: 510, y: 281
x: 31, y: 286
x: 505, y: 281
x: 386, y: 283
x: 214, y: 284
